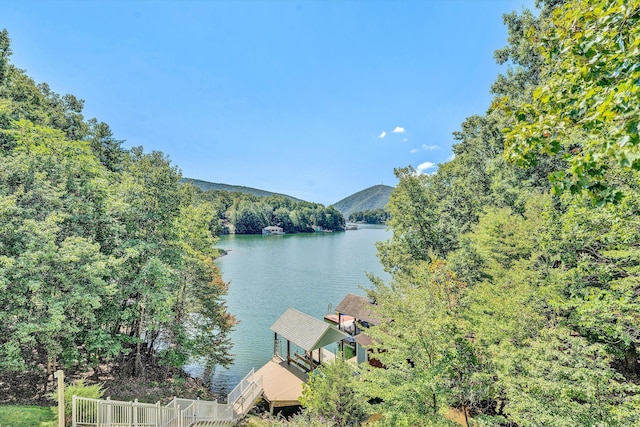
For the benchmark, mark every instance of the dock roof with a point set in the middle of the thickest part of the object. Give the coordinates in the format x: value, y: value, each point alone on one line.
x: 306, y: 331
x: 358, y: 307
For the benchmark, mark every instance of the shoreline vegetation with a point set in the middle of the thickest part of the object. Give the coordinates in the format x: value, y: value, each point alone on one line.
x: 242, y: 213
x: 513, y: 296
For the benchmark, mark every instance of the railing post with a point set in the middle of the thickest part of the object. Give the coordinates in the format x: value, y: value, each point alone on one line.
x: 158, y: 415
x: 59, y: 374
x: 134, y: 414
x: 74, y: 411
x: 108, y: 412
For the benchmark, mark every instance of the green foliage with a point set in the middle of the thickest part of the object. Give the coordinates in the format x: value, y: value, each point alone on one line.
x: 559, y: 379
x: 602, y: 258
x: 26, y: 416
x: 331, y: 394
x: 587, y: 106
x: 372, y: 216
x: 414, y: 221
x: 50, y: 260
x: 80, y: 389
x: 429, y: 363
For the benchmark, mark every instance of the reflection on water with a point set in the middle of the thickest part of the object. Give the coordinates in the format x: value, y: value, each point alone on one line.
x: 268, y: 274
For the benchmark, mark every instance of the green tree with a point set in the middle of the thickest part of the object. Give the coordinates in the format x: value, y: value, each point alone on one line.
x: 559, y: 379
x: 429, y: 362
x: 107, y: 149
x: 414, y: 221
x: 282, y: 218
x: 202, y: 324
x: 586, y: 107
x: 54, y: 276
x: 600, y: 276
x: 331, y: 393
x: 5, y: 53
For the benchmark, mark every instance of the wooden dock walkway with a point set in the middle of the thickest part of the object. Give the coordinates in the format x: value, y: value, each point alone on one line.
x: 282, y: 383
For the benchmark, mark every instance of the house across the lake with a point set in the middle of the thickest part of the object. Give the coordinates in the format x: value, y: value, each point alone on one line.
x: 272, y: 229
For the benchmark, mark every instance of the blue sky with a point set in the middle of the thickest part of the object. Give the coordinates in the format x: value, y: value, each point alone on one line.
x: 314, y: 99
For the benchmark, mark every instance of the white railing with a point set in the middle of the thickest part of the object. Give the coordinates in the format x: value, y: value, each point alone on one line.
x: 202, y: 410
x: 244, y: 395
x: 88, y: 412
x: 239, y: 389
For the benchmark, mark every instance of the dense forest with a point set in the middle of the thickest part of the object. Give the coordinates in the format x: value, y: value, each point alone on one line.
x: 371, y: 216
x: 515, y: 290
x: 242, y: 213
x: 104, y: 256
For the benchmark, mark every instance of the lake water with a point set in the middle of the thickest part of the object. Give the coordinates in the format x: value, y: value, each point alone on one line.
x: 268, y: 274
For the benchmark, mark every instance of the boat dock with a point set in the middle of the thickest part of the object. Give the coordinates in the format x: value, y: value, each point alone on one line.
x: 282, y: 383
x: 283, y: 376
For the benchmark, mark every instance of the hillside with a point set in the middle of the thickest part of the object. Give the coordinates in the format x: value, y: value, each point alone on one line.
x: 206, y: 185
x: 375, y: 197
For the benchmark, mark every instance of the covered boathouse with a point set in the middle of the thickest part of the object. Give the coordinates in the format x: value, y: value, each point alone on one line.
x: 355, y: 314
x: 306, y: 338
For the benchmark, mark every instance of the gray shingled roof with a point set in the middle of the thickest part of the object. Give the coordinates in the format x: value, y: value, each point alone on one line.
x: 305, y: 331
x: 358, y: 307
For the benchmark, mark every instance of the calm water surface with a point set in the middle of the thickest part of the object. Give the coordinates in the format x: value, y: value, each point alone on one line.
x: 268, y: 274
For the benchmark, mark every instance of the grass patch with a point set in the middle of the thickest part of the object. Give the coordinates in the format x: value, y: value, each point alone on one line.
x: 25, y: 416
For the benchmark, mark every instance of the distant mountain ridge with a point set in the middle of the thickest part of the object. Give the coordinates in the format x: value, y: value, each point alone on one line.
x: 206, y: 185
x: 375, y: 197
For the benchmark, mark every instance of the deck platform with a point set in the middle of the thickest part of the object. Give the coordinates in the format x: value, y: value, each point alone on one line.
x: 282, y: 383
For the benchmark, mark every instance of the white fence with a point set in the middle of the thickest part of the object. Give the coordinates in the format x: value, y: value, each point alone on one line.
x: 88, y: 412
x: 112, y: 413
x: 244, y: 395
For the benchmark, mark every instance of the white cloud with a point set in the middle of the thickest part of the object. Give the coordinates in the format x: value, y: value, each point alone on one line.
x: 382, y: 135
x: 424, y: 167
x: 405, y: 139
x: 415, y: 150
x: 398, y: 129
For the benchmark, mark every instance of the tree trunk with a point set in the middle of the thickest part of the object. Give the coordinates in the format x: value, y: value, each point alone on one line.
x: 137, y: 364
